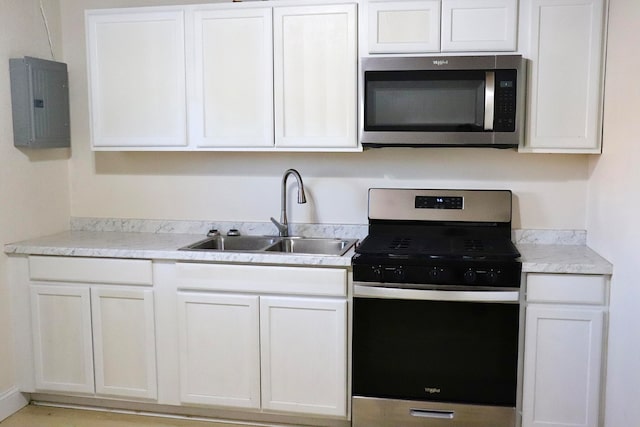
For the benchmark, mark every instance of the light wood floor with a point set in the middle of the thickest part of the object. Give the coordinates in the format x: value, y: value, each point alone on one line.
x: 44, y: 416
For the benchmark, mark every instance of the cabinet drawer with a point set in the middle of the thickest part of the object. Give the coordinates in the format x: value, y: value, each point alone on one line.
x: 272, y: 279
x: 567, y: 288
x: 91, y: 270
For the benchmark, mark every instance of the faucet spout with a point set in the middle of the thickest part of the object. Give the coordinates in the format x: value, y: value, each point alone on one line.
x: 283, y: 225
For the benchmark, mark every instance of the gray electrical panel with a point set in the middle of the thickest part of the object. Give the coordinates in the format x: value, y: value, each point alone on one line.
x: 40, y: 103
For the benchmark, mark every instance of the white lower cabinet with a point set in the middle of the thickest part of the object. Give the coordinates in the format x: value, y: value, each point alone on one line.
x: 303, y: 346
x: 219, y: 349
x: 263, y: 348
x: 564, y: 342
x: 83, y: 331
x: 62, y: 338
x: 124, y: 348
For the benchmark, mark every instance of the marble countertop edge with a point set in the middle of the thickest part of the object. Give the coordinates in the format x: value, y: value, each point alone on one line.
x: 536, y: 257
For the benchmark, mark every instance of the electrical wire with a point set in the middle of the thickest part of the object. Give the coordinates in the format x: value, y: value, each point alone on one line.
x: 46, y: 26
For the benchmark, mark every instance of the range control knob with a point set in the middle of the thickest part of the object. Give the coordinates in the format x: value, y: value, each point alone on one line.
x: 470, y: 276
x: 377, y: 272
x: 492, y: 276
x: 434, y: 273
x: 398, y: 274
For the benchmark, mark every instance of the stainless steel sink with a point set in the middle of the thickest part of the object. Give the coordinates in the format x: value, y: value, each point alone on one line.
x: 310, y: 245
x: 232, y: 243
x: 273, y: 244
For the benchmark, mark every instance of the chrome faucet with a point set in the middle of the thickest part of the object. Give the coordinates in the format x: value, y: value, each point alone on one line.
x: 283, y: 225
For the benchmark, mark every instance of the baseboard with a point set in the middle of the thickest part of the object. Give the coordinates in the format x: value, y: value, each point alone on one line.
x: 11, y: 402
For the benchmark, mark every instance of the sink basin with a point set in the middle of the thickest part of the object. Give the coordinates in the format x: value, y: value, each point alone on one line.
x: 273, y: 244
x: 232, y: 243
x: 309, y: 245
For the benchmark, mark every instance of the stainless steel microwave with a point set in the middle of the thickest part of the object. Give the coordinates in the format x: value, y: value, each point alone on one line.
x: 443, y: 101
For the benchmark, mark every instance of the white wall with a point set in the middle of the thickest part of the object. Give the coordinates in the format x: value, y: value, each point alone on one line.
x: 34, y: 193
x: 550, y: 190
x: 614, y: 209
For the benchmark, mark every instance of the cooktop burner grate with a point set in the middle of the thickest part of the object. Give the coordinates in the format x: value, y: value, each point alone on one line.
x: 400, y: 243
x: 474, y: 245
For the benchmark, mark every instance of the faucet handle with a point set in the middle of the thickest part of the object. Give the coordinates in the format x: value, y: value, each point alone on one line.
x: 283, y: 229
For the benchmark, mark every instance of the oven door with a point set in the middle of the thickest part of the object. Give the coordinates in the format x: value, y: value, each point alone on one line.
x: 435, y: 358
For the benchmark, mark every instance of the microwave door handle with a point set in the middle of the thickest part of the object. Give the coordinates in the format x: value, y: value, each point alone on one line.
x: 489, y: 104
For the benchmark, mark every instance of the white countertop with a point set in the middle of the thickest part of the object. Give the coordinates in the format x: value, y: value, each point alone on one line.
x: 575, y: 259
x: 536, y: 257
x: 161, y: 246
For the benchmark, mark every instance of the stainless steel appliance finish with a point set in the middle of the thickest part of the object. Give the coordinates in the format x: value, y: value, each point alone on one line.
x: 436, y: 321
x: 273, y: 244
x: 442, y: 101
x: 375, y: 412
x: 478, y: 205
x: 283, y: 225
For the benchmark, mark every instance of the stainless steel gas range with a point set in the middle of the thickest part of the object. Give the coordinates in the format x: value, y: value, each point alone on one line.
x: 436, y: 311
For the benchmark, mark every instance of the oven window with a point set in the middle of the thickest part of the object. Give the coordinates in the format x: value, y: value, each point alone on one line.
x: 455, y: 352
x: 424, y: 101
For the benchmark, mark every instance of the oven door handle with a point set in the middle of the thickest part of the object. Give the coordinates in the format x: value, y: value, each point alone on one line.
x: 436, y: 295
x: 431, y: 413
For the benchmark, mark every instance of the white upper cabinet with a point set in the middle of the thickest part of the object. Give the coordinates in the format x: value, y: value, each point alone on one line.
x: 479, y: 25
x: 564, y: 41
x: 201, y: 77
x: 424, y: 26
x: 136, y: 78
x: 232, y: 102
x: 315, y: 67
x: 404, y: 26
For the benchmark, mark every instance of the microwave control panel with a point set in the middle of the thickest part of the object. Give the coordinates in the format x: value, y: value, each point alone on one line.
x: 505, y: 101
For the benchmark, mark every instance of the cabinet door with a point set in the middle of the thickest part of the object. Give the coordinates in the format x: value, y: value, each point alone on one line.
x: 304, y: 355
x: 219, y: 349
x: 63, y: 353
x: 137, y: 78
x: 562, y: 366
x: 479, y: 25
x: 124, y: 342
x: 315, y: 65
x: 233, y: 71
x: 404, y: 26
x: 565, y: 81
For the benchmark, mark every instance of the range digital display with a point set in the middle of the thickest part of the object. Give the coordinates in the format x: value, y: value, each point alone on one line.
x: 439, y: 202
